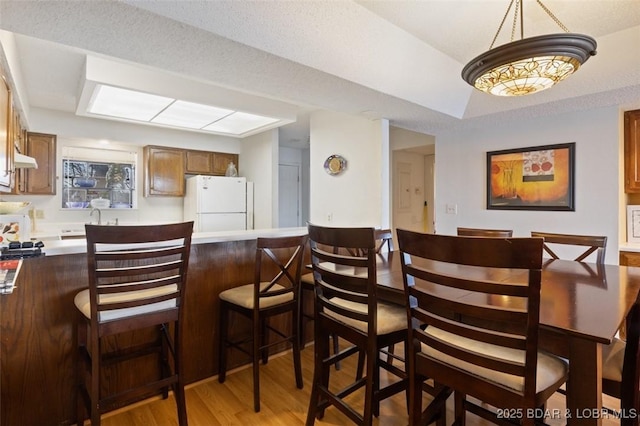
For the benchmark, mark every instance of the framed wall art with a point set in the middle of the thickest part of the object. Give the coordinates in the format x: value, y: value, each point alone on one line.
x: 533, y: 178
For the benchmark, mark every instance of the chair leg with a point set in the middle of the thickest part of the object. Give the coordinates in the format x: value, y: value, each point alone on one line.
x: 81, y: 344
x: 360, y: 366
x: 222, y: 348
x: 258, y: 351
x: 415, y: 399
x: 95, y: 383
x: 369, y: 396
x: 163, y: 332
x: 295, y: 341
x: 376, y: 385
x: 302, y: 319
x: 179, y: 393
x: 391, y: 352
x: 325, y: 369
x: 459, y: 410
x: 321, y: 351
x: 336, y: 349
x: 264, y: 339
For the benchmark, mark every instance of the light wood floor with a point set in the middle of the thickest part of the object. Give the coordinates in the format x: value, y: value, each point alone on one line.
x: 210, y: 403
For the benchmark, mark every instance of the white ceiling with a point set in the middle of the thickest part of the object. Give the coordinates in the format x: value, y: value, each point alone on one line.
x: 393, y: 59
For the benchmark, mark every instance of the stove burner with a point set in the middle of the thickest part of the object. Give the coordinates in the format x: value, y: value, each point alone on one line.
x: 18, y: 250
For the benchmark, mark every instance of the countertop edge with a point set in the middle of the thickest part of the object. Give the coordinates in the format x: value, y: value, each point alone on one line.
x: 633, y: 247
x: 77, y: 246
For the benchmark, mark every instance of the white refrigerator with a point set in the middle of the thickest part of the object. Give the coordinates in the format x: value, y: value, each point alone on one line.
x: 218, y: 203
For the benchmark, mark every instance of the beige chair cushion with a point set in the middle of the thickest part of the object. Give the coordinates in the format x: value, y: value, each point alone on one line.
x: 612, y: 360
x: 390, y: 317
x: 243, y: 296
x: 549, y: 371
x: 307, y: 279
x: 82, y: 302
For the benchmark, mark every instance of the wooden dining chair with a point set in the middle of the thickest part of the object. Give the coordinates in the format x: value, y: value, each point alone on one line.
x: 473, y: 330
x: 622, y: 353
x: 597, y: 244
x: 346, y: 306
x: 137, y: 280
x: 480, y: 232
x: 273, y: 292
x: 384, y: 239
x: 621, y: 369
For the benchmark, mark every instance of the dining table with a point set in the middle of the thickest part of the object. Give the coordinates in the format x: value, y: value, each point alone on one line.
x: 582, y: 306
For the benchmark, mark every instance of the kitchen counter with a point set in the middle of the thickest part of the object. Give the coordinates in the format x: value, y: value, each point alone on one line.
x: 37, y: 375
x: 79, y: 245
x: 633, y: 247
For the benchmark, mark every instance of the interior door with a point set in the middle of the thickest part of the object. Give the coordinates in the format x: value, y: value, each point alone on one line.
x: 288, y: 196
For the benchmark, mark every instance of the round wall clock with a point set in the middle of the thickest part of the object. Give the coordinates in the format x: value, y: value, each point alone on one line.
x: 335, y: 164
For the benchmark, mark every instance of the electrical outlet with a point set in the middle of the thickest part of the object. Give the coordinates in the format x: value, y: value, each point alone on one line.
x: 451, y: 209
x: 329, y: 217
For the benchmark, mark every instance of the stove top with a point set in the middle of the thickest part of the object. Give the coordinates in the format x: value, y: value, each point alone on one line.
x: 18, y: 250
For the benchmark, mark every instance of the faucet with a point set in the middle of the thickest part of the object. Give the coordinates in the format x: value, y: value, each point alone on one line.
x: 99, y: 215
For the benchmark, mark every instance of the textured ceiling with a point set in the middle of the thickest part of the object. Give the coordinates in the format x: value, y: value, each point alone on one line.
x: 393, y: 59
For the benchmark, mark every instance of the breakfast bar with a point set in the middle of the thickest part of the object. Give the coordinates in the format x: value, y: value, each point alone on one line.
x: 37, y: 320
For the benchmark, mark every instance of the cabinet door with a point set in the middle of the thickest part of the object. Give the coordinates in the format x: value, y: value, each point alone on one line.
x: 629, y: 258
x: 41, y: 181
x: 632, y: 151
x: 164, y: 171
x: 199, y: 162
x: 6, y: 144
x: 221, y: 161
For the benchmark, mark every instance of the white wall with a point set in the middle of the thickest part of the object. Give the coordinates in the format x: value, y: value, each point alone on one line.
x: 259, y: 160
x: 359, y: 195
x: 461, y: 175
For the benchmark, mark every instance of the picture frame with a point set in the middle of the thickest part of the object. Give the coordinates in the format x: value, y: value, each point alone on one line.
x: 532, y: 178
x: 633, y: 224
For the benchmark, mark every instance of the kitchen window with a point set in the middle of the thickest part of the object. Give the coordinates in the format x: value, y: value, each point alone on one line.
x: 91, y: 174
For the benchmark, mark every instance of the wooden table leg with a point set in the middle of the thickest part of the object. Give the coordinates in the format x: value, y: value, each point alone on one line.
x: 584, y: 389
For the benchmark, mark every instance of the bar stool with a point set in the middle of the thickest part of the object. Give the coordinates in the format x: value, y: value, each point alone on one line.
x: 274, y: 292
x: 137, y: 280
x: 346, y: 306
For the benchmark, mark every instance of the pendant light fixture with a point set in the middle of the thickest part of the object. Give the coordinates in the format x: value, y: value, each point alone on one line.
x: 528, y: 65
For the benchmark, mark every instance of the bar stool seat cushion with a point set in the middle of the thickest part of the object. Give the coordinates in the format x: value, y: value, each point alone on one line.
x: 243, y: 296
x: 307, y: 279
x: 82, y: 302
x: 550, y: 368
x: 612, y: 360
x: 390, y: 317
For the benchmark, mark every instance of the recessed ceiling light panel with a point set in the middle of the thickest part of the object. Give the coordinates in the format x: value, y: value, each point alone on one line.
x: 128, y: 104
x: 131, y: 105
x: 240, y: 122
x: 190, y: 115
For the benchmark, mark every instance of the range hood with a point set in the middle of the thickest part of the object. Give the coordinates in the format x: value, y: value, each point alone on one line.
x: 21, y: 161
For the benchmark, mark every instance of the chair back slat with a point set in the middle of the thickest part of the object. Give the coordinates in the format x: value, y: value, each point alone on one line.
x: 339, y: 276
x: 384, y: 237
x: 597, y: 244
x: 453, y: 309
x: 480, y: 232
x: 136, y: 268
x: 278, y: 266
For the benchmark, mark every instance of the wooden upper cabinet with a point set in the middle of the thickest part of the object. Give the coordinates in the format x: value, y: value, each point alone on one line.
x: 632, y: 151
x: 164, y: 170
x: 40, y: 181
x: 209, y: 163
x: 221, y: 161
x: 199, y: 162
